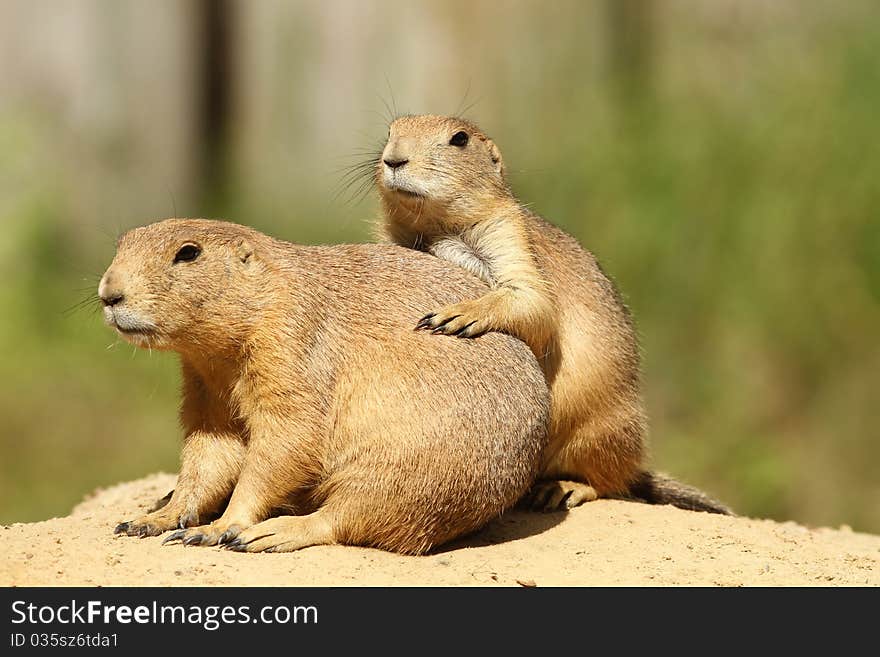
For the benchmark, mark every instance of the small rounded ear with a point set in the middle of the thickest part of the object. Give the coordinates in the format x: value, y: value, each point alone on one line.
x: 244, y: 250
x: 496, y: 157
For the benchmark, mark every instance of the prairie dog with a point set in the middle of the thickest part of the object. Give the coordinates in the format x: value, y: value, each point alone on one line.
x: 306, y: 391
x: 443, y: 191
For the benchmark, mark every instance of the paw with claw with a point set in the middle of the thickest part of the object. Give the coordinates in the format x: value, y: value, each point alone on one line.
x: 558, y: 495
x: 284, y: 534
x: 217, y: 533
x: 158, y: 522
x: 465, y: 320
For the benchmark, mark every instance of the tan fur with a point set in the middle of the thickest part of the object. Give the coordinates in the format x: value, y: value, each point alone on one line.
x: 453, y: 202
x: 307, y: 392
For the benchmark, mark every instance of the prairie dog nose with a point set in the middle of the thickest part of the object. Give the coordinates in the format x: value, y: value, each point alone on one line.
x: 109, y: 294
x: 111, y: 298
x: 394, y: 163
x: 396, y: 152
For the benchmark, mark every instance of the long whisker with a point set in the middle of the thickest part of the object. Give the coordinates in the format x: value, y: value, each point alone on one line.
x: 470, y: 106
x: 88, y: 301
x: 394, y: 114
x: 359, y: 177
x: 458, y: 112
x: 389, y: 116
x: 353, y: 182
x: 173, y: 201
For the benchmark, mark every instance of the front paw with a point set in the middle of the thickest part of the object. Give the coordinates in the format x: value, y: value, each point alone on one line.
x: 464, y: 320
x: 157, y: 522
x: 216, y: 533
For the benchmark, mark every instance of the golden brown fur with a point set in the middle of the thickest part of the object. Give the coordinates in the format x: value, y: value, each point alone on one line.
x: 307, y: 391
x: 447, y: 195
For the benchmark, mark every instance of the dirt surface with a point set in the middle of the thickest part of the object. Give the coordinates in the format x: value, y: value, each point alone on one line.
x: 601, y: 543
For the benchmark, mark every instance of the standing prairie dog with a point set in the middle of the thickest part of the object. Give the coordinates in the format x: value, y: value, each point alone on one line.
x: 443, y: 190
x: 306, y: 391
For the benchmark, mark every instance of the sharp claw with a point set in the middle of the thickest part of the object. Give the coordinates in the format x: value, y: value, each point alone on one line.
x: 441, y: 330
x: 175, y: 536
x: 560, y: 506
x: 121, y: 528
x: 462, y: 332
x: 424, y: 322
x: 226, y: 537
x: 195, y: 539
x: 237, y: 548
x: 446, y: 321
x: 185, y: 520
x: 234, y: 543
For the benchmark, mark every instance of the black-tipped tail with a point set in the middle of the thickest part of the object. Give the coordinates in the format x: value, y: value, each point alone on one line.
x: 657, y: 488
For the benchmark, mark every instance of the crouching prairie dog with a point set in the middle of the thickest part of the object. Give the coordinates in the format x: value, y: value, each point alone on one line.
x: 443, y: 191
x: 306, y: 392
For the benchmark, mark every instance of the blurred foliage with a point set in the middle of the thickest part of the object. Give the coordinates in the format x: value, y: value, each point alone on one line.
x: 731, y: 190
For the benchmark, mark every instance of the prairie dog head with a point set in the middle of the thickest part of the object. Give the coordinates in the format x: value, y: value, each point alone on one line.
x: 181, y: 284
x: 438, y: 167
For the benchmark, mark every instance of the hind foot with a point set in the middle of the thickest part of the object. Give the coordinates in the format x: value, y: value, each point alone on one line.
x: 285, y: 534
x: 558, y: 495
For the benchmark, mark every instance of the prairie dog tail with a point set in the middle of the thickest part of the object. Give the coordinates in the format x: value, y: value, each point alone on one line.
x: 658, y: 488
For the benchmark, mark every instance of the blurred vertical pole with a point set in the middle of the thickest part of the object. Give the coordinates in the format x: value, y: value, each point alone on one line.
x: 214, y: 97
x: 631, y: 29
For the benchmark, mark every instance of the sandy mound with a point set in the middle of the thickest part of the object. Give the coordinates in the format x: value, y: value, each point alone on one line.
x: 602, y: 543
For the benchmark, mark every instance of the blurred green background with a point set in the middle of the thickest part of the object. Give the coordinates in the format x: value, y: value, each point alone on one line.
x: 721, y: 157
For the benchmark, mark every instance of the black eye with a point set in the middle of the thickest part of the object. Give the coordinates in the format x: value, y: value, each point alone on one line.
x: 459, y: 139
x: 187, y: 253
